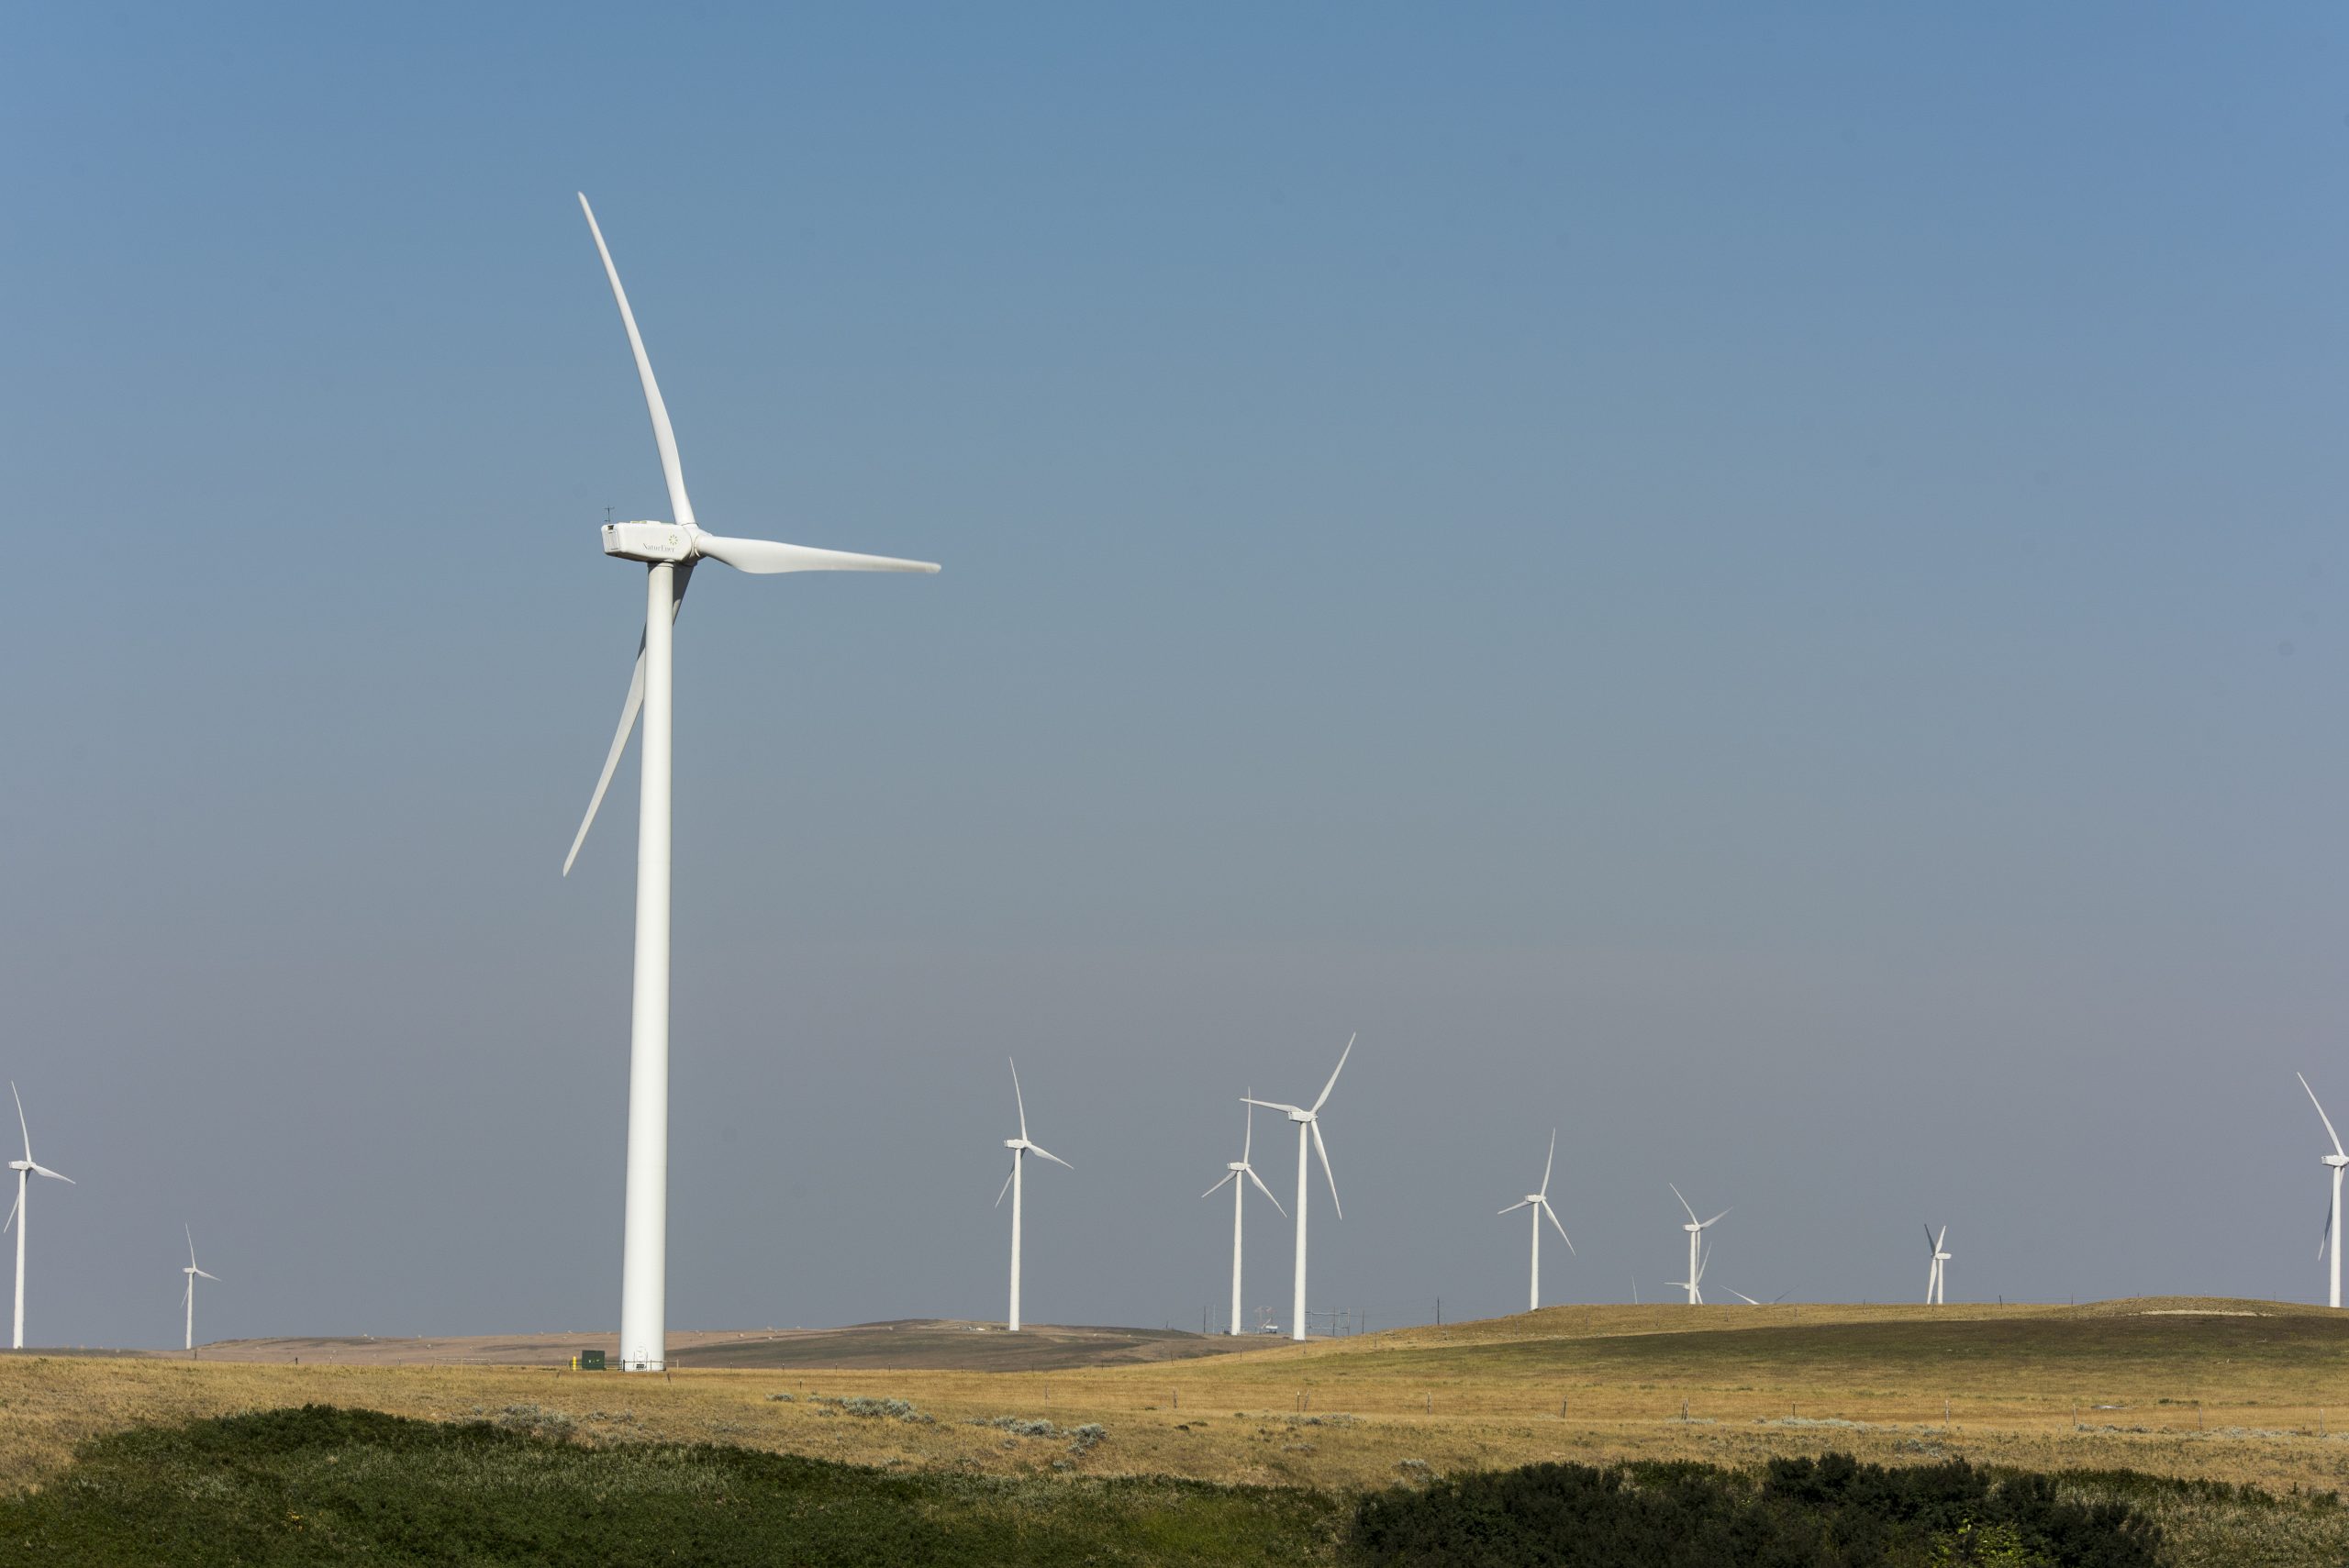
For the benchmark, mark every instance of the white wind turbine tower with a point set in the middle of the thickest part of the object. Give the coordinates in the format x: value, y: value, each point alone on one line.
x: 1695, y: 1229
x: 1020, y: 1148
x: 1540, y: 1203
x: 2339, y: 1161
x: 669, y: 551
x: 1309, y: 1121
x: 1239, y: 1168
x: 1934, y: 1280
x: 193, y: 1274
x: 24, y: 1170
x: 1696, y: 1277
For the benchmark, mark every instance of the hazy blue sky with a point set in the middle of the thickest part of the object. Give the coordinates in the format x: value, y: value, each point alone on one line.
x: 1764, y: 589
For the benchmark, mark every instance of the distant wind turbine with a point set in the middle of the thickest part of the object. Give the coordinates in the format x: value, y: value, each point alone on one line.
x: 1695, y: 1229
x: 2330, y: 1237
x: 1309, y: 1121
x: 1752, y: 1302
x: 1020, y: 1148
x: 193, y: 1274
x: 24, y: 1170
x: 669, y: 552
x: 1237, y: 1169
x: 1539, y: 1202
x: 1935, y: 1295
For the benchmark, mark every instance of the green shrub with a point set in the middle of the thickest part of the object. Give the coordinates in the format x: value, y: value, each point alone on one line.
x: 1830, y: 1512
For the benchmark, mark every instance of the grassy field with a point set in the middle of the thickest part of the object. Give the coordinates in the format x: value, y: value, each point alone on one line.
x: 320, y: 1486
x: 2239, y: 1392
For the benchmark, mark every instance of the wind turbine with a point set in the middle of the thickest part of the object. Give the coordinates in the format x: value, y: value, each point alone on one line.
x: 24, y: 1170
x: 1934, y: 1294
x: 1309, y: 1121
x: 1020, y: 1148
x: 1539, y: 1202
x: 194, y: 1274
x: 1239, y: 1168
x: 2338, y: 1159
x: 669, y: 551
x: 1695, y: 1229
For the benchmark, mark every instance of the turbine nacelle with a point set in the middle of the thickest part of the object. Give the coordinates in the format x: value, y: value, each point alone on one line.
x: 650, y: 541
x: 2335, y: 1161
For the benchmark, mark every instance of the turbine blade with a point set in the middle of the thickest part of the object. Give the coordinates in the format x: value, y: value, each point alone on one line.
x: 1039, y: 1149
x: 1267, y: 1192
x: 1334, y: 1072
x: 20, y: 1199
x: 1556, y: 1226
x: 1745, y: 1299
x: 1939, y: 1238
x: 628, y: 709
x: 54, y: 1176
x: 1247, y: 1136
x: 1683, y: 1203
x: 1021, y: 1098
x: 2324, y: 1232
x: 1929, y: 1238
x: 1228, y: 1177
x: 1007, y: 1180
x: 1323, y: 1149
x: 20, y: 1120
x: 1724, y: 1214
x: 191, y: 1243
x: 763, y: 556
x: 214, y: 1278
x: 2304, y: 1083
x: 664, y: 437
x: 1271, y: 1105
x: 1525, y: 1203
x: 1553, y: 1160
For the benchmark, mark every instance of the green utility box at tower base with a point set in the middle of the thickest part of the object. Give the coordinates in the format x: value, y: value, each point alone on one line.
x: 587, y: 1361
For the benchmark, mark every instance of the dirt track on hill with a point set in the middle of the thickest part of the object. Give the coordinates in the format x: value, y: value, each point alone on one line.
x: 933, y: 1344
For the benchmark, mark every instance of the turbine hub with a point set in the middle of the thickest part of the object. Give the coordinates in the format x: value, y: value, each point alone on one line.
x: 650, y: 542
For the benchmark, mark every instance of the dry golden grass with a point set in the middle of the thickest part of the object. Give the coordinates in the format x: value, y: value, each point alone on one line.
x: 2236, y: 1391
